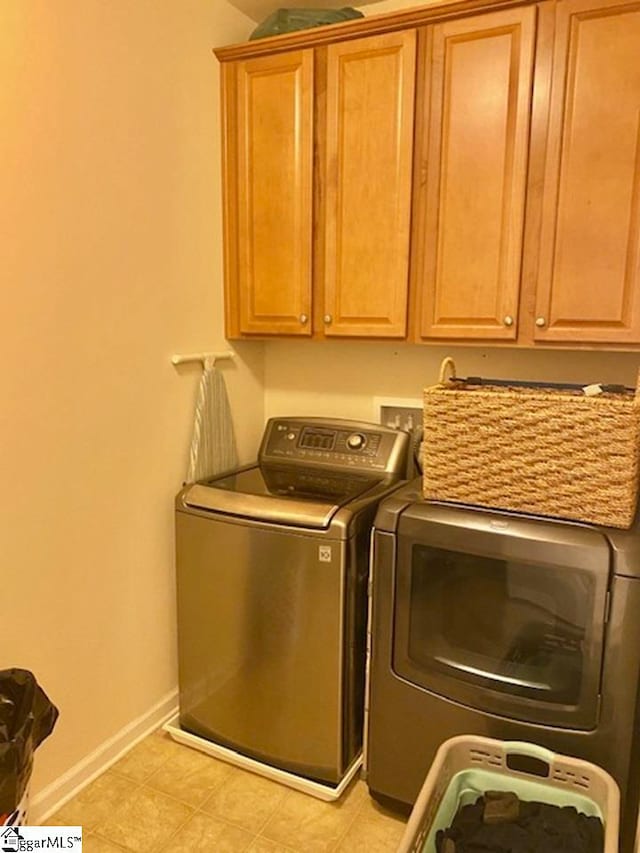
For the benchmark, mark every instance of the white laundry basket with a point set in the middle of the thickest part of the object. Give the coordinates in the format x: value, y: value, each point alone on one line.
x: 467, y: 766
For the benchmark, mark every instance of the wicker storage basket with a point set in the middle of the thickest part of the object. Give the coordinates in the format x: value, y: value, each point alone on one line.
x: 543, y: 449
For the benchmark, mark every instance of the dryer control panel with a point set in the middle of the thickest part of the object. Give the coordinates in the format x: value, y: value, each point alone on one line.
x: 353, y: 445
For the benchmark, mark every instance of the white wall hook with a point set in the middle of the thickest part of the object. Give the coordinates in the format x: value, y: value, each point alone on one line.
x: 207, y: 359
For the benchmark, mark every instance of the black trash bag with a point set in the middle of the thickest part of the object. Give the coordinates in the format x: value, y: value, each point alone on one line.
x: 290, y: 20
x: 27, y: 717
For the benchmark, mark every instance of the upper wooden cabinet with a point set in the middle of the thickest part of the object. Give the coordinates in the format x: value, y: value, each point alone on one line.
x: 465, y: 171
x: 366, y: 214
x: 589, y: 262
x: 325, y: 252
x: 268, y: 148
x: 475, y: 103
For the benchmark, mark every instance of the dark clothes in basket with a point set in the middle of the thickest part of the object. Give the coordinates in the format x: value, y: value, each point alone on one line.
x: 533, y: 828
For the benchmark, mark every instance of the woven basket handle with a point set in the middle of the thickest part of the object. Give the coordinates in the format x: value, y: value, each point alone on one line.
x: 449, y: 364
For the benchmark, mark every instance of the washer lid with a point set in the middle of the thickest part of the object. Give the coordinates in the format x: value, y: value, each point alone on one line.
x: 297, y: 496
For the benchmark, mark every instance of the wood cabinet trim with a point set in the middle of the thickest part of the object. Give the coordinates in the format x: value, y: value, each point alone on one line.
x: 538, y: 140
x: 229, y: 130
x: 420, y: 172
x: 319, y: 187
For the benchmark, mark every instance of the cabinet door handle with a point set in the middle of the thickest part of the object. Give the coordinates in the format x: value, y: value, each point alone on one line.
x: 328, y: 319
x: 508, y: 320
x: 540, y: 322
x: 304, y: 319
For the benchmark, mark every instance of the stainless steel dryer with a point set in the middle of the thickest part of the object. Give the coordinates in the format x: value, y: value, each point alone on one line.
x: 510, y: 626
x: 272, y: 566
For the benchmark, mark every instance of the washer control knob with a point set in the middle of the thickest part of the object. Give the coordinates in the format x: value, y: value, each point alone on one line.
x: 356, y: 441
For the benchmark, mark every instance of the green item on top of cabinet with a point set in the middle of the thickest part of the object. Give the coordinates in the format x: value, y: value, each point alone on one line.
x: 289, y: 20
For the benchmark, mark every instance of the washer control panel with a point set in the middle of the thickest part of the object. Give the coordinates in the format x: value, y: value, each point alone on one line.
x: 334, y: 444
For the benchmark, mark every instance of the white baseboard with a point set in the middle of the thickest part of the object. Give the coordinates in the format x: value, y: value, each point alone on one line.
x: 62, y: 789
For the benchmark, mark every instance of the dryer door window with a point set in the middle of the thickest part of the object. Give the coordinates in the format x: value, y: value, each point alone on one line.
x: 520, y: 637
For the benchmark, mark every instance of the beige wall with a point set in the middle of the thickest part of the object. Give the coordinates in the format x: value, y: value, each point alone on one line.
x: 342, y: 378
x: 110, y: 261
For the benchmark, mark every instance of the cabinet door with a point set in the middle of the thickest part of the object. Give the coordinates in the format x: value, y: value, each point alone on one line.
x: 367, y: 175
x: 589, y: 273
x: 473, y: 142
x: 268, y: 204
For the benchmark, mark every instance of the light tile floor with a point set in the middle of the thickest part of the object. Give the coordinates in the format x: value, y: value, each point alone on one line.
x: 163, y: 796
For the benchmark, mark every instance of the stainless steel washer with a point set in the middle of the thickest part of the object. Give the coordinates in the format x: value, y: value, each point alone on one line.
x: 272, y: 566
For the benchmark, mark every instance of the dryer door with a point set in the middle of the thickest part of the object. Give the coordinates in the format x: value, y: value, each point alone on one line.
x: 502, y: 613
